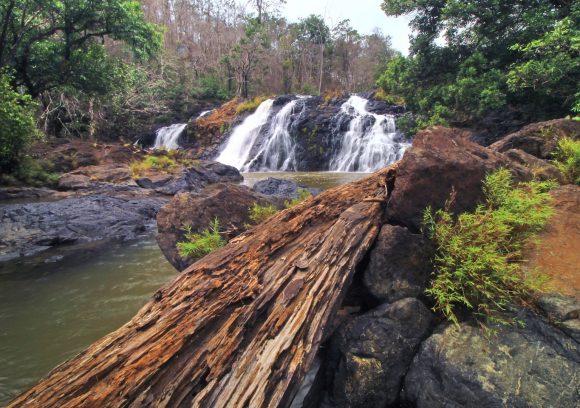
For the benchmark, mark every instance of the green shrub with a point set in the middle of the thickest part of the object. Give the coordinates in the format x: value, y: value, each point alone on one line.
x: 201, y: 244
x: 165, y: 164
x: 250, y: 105
x: 303, y: 194
x: 478, y: 260
x: 567, y: 159
x: 17, y: 125
x: 260, y: 213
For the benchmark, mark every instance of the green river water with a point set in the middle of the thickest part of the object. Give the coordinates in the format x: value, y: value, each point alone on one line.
x: 51, y: 311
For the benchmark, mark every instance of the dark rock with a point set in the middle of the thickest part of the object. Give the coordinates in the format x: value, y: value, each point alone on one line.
x: 27, y: 229
x: 280, y: 188
x: 442, y: 160
x: 229, y: 203
x: 532, y: 366
x: 541, y: 169
x: 496, y: 125
x: 192, y: 178
x: 399, y: 266
x: 563, y: 311
x: 539, y: 139
x: 370, y: 356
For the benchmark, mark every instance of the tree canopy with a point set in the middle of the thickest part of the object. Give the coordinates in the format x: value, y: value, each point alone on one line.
x: 469, y: 58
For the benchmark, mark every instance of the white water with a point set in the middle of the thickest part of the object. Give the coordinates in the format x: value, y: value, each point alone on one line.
x: 168, y: 137
x: 278, y: 154
x: 204, y: 113
x: 239, y: 146
x: 364, y: 147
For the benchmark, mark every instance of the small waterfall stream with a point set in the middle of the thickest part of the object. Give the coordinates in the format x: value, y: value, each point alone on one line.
x: 168, y: 137
x: 370, y: 141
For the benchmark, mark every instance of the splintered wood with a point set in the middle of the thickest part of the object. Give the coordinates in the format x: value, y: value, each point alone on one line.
x: 239, y: 328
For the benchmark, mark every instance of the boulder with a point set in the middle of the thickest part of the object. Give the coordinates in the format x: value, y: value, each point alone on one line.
x: 399, y: 265
x: 557, y: 251
x: 440, y: 161
x: 280, y: 188
x: 71, y: 181
x: 541, y: 169
x: 539, y: 139
x: 369, y: 357
x: 27, y: 229
x: 192, y: 178
x: 532, y: 366
x: 228, y: 203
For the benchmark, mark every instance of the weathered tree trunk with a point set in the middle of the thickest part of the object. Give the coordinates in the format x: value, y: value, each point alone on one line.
x: 240, y: 327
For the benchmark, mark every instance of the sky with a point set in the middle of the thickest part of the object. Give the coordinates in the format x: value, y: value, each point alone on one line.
x: 364, y: 15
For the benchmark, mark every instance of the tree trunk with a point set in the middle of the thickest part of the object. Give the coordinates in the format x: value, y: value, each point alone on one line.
x: 239, y: 328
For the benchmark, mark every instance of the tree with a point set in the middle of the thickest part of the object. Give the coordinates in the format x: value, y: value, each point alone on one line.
x: 245, y: 55
x: 50, y: 43
x: 18, y: 127
x: 466, y: 77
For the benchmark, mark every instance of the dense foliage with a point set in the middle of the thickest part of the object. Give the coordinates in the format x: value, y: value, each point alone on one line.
x: 17, y: 124
x: 470, y: 58
x: 478, y: 260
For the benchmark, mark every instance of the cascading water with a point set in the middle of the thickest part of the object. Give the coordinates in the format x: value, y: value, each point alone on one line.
x: 278, y: 153
x: 168, y: 137
x: 239, y: 146
x: 204, y: 113
x: 370, y: 142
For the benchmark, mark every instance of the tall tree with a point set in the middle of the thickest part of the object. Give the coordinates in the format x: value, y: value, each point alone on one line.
x: 49, y: 43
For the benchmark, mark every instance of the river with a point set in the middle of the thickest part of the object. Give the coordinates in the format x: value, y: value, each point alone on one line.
x: 51, y: 311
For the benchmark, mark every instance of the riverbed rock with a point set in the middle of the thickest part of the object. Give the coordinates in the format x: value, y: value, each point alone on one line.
x: 370, y: 355
x: 541, y: 169
x: 286, y: 189
x: 440, y: 161
x: 539, y: 139
x: 532, y: 366
x: 192, y: 178
x: 228, y: 203
x: 399, y: 265
x: 27, y: 229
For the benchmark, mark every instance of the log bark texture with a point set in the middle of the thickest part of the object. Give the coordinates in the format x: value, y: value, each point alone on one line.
x: 240, y: 327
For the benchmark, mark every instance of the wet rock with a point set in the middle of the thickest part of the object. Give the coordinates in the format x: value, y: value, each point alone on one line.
x: 399, y: 266
x: 539, y: 139
x: 227, y: 202
x: 27, y: 229
x: 280, y: 188
x: 440, y: 161
x: 192, y: 178
x: 532, y: 366
x: 370, y: 356
x: 541, y: 169
x: 9, y: 193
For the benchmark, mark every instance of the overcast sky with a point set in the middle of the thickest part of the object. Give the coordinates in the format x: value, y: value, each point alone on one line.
x: 364, y: 16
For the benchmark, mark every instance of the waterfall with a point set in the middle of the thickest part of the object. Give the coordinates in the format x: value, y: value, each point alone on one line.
x: 278, y: 152
x: 370, y: 142
x: 204, y: 113
x: 168, y: 137
x: 239, y: 146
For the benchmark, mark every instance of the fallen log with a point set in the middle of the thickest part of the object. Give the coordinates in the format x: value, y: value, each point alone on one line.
x: 240, y: 327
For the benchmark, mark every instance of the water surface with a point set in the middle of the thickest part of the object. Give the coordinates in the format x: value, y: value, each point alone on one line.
x: 317, y: 179
x: 51, y: 312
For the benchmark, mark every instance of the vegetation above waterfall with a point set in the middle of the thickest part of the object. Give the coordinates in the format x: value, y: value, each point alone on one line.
x: 470, y: 59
